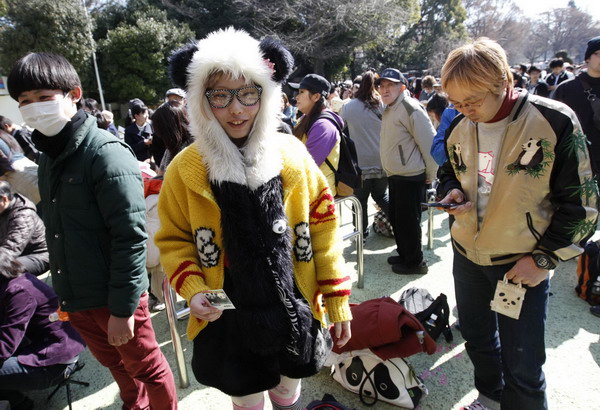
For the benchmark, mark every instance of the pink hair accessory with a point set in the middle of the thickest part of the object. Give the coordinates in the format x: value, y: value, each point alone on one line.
x: 270, y: 65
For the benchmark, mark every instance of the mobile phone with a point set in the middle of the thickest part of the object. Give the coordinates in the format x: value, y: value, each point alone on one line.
x: 440, y: 205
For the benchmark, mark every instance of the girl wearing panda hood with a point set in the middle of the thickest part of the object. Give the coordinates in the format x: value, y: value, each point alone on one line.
x: 247, y: 210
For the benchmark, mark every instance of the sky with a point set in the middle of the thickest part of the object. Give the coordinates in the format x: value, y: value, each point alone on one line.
x: 532, y: 8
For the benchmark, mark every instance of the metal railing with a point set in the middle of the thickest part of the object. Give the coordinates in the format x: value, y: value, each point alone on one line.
x: 356, y: 234
x: 430, y: 198
x: 172, y: 316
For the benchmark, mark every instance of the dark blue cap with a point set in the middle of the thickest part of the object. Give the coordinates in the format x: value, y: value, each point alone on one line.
x: 393, y: 75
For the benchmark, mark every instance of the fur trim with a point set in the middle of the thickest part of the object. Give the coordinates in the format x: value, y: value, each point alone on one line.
x: 237, y: 54
x: 279, y: 56
x: 179, y: 62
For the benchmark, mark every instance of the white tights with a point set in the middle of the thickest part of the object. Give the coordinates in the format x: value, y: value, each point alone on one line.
x: 285, y: 390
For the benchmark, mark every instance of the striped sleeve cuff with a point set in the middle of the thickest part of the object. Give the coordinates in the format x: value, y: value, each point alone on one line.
x: 188, y: 280
x: 338, y: 308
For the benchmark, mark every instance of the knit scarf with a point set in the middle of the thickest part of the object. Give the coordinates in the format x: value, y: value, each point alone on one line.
x: 257, y: 244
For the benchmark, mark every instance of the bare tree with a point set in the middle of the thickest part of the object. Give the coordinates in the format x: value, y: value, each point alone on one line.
x: 499, y: 20
x: 537, y: 42
x: 570, y: 29
x: 314, y: 30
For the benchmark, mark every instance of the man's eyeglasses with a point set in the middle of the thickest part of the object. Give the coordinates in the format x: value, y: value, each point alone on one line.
x: 475, y: 104
x: 247, y: 96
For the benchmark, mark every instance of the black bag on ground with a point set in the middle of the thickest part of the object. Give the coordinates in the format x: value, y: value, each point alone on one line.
x: 588, y: 274
x: 434, y: 314
x: 347, y: 175
x: 328, y: 402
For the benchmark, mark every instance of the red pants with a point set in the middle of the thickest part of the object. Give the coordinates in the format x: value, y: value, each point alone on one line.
x: 139, y: 366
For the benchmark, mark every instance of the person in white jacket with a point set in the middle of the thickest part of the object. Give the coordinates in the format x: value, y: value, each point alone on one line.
x: 157, y: 275
x: 406, y: 137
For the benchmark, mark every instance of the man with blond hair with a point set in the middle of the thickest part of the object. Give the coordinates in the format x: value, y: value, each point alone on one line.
x: 520, y: 173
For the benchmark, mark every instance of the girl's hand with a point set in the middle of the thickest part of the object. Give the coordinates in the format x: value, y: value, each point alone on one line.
x: 201, y: 308
x: 342, y: 333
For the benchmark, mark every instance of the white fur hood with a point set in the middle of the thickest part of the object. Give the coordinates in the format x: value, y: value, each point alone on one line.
x: 236, y: 53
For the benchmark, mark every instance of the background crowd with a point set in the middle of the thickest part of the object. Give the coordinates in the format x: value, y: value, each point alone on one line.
x: 60, y: 172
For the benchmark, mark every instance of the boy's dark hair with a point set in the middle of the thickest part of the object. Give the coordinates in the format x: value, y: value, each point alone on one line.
x: 91, y: 106
x: 5, y: 122
x: 138, y: 109
x: 533, y: 68
x: 523, y: 68
x: 437, y: 104
x: 10, y: 268
x: 557, y: 62
x: 42, y: 71
x: 6, y: 190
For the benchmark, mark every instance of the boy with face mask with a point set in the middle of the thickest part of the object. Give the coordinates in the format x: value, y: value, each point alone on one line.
x: 93, y: 207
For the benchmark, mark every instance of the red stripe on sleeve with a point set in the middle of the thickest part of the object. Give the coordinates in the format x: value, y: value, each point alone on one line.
x: 333, y: 281
x: 181, y: 268
x: 337, y: 293
x: 183, y: 276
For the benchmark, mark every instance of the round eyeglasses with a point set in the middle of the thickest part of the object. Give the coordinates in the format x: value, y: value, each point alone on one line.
x: 475, y: 104
x: 222, y: 98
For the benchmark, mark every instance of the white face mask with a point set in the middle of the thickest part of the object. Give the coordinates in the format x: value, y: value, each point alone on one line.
x: 47, y: 117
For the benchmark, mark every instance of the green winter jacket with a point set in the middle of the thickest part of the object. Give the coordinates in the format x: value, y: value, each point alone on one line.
x: 93, y: 208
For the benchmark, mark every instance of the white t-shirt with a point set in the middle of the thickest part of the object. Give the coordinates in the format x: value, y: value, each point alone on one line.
x: 489, y: 140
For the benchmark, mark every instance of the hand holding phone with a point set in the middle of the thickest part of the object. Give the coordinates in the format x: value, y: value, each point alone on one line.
x: 440, y: 205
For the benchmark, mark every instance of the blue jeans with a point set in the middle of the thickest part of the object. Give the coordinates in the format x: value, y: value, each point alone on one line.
x: 507, y: 354
x: 377, y: 188
x: 16, y: 377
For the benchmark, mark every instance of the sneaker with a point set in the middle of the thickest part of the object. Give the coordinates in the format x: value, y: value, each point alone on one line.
x: 420, y: 269
x: 394, y: 260
x: 476, y: 405
x: 156, y: 305
x: 595, y: 310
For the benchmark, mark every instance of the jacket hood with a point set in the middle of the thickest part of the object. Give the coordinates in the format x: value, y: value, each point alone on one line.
x: 237, y: 55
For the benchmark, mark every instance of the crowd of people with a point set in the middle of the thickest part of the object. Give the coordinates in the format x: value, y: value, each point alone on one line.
x: 230, y: 184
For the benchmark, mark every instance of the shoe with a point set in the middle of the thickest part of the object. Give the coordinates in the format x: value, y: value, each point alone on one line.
x: 476, y: 405
x: 394, y: 260
x: 156, y: 305
x: 595, y: 310
x: 420, y: 269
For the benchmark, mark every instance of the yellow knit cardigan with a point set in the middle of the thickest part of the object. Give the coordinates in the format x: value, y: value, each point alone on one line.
x: 187, y: 206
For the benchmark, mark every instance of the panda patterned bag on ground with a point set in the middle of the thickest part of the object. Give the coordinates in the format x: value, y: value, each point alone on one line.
x: 392, y: 381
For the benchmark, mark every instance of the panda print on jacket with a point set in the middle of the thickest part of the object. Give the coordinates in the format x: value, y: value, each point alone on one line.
x: 208, y: 251
x: 302, y: 247
x: 531, y: 155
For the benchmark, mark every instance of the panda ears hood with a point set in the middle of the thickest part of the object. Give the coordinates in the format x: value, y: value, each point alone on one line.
x: 235, y: 54
x: 273, y: 51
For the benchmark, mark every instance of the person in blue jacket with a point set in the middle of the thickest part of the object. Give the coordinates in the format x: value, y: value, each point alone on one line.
x: 438, y: 149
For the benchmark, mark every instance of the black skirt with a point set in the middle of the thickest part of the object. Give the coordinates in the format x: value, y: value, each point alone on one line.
x: 220, y: 360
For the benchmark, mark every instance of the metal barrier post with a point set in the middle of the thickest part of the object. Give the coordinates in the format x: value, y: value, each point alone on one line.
x: 356, y: 234
x: 170, y: 299
x: 430, y: 198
